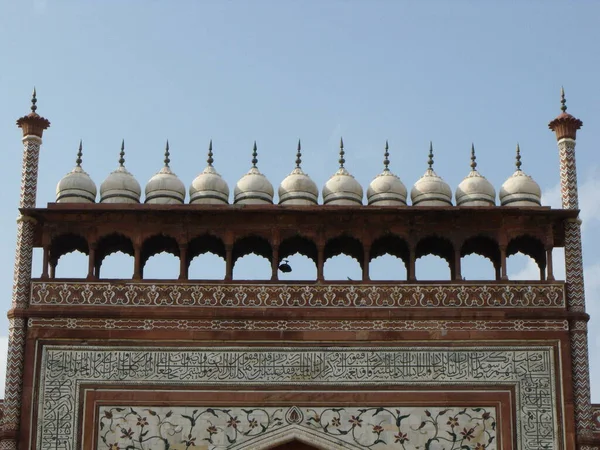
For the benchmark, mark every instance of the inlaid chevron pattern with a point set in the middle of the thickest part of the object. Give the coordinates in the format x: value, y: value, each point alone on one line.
x: 14, y: 374
x: 575, y: 291
x: 581, y: 379
x: 20, y: 296
x: 568, y: 174
x: 574, y: 267
x: 29, y: 172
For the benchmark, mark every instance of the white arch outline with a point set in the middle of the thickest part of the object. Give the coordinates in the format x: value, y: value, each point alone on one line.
x: 294, y: 432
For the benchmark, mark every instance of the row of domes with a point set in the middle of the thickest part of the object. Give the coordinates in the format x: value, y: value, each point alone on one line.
x: 297, y: 188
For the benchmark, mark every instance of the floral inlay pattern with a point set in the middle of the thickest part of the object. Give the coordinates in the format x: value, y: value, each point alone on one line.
x: 300, y: 296
x: 406, y: 428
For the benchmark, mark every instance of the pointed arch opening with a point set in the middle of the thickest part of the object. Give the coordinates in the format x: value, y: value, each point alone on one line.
x: 434, y: 256
x: 526, y: 258
x: 114, y: 257
x: 160, y: 257
x: 389, y: 258
x: 252, y: 256
x: 300, y: 254
x: 206, y: 258
x: 343, y: 259
x: 71, y: 251
x: 480, y: 259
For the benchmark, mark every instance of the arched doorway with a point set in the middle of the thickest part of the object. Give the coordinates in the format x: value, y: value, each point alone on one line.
x: 294, y: 445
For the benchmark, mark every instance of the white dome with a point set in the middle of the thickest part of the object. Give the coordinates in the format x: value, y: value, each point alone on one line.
x: 253, y: 188
x: 209, y: 188
x: 165, y: 188
x: 298, y: 189
x: 120, y: 186
x: 76, y: 187
x: 520, y: 189
x: 342, y: 189
x: 386, y: 189
x: 475, y: 189
x: 431, y: 190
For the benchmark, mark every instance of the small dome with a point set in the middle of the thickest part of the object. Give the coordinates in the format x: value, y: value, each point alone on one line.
x: 342, y: 188
x: 165, y: 188
x: 76, y: 186
x: 475, y: 189
x: 520, y: 189
x: 253, y: 188
x: 120, y: 186
x: 209, y: 188
x: 431, y: 189
x: 297, y: 188
x: 386, y: 189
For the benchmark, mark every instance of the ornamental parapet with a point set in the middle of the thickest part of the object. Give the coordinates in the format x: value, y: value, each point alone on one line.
x: 309, y: 295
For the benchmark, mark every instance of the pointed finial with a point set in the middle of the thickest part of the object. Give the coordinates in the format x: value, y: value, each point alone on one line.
x: 342, y: 153
x: 167, y: 154
x: 122, y: 154
x: 299, y: 155
x: 518, y: 158
x: 78, y: 161
x: 33, y: 101
x: 254, y: 155
x: 386, y: 156
x: 210, y: 159
x: 473, y: 161
x: 563, y: 101
x: 430, y: 160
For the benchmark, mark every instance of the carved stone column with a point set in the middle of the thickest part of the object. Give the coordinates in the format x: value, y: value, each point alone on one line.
x: 33, y: 127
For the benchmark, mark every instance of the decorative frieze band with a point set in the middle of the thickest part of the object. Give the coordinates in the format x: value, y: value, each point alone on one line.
x: 546, y: 295
x: 298, y: 325
x: 530, y: 370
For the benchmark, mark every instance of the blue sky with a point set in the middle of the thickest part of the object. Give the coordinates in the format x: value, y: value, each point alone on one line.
x: 453, y: 72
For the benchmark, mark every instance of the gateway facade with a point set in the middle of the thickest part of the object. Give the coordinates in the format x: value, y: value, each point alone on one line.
x: 228, y: 364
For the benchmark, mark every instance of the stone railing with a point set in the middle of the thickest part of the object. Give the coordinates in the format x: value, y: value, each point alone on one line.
x: 253, y: 295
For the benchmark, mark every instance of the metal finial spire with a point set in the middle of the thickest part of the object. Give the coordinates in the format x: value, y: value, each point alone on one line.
x: 430, y: 160
x: 299, y: 155
x: 342, y: 153
x: 386, y: 156
x: 473, y: 159
x: 254, y: 155
x: 563, y: 101
x: 122, y: 153
x: 518, y: 158
x: 210, y: 159
x: 167, y: 154
x: 33, y: 101
x: 78, y: 161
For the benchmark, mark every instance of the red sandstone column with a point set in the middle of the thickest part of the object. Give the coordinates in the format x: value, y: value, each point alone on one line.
x: 565, y: 126
x: 33, y: 127
x: 91, y: 262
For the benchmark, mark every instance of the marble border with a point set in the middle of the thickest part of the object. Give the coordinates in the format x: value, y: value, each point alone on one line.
x: 529, y: 370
